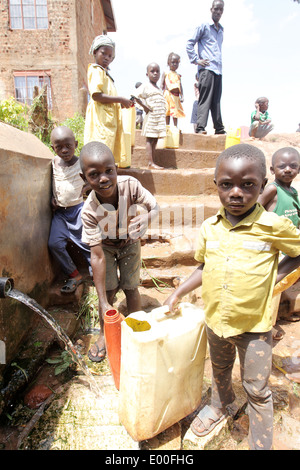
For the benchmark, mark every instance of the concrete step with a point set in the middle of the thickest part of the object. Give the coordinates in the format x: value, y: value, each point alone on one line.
x: 166, y: 253
x: 191, y: 141
x: 189, y: 182
x: 181, y: 158
x: 186, y: 211
x: 165, y: 278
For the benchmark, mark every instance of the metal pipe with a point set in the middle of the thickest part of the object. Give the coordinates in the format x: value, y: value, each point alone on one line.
x: 6, y: 285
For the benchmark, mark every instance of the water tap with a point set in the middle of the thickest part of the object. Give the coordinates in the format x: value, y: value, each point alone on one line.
x: 6, y: 285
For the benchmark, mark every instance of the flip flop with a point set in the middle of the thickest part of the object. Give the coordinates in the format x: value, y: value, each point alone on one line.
x: 209, y: 420
x: 277, y: 335
x: 97, y: 358
x: 70, y: 286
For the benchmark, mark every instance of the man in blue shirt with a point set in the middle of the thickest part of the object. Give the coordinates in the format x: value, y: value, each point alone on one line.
x: 209, y: 38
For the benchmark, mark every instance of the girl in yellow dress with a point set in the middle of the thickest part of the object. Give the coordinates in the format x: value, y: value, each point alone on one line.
x: 173, y: 92
x: 104, y: 112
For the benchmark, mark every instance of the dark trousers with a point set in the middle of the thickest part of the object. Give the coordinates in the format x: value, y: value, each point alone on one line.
x: 66, y: 225
x: 255, y: 354
x: 210, y: 89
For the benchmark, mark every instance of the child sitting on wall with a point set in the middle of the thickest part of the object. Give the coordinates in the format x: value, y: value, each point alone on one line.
x: 260, y: 119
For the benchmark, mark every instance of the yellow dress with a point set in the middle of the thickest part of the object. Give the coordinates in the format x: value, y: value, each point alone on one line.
x: 103, y: 122
x: 174, y: 106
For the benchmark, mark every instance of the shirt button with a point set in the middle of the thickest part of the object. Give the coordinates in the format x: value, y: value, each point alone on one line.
x: 225, y: 286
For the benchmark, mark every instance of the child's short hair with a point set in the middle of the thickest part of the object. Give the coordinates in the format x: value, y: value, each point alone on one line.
x: 60, y: 130
x: 244, y: 151
x: 261, y: 99
x: 285, y: 150
x: 151, y: 65
x: 92, y: 149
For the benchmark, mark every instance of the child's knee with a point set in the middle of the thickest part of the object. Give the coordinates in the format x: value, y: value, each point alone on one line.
x: 56, y: 244
x: 131, y: 293
x: 258, y: 390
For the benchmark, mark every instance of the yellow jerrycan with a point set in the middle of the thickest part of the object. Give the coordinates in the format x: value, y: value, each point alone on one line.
x: 172, y: 137
x: 129, y: 123
x: 162, y: 366
x: 128, y: 136
x: 233, y: 137
x: 280, y: 287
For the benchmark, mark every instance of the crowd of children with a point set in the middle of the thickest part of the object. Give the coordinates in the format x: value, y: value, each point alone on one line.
x: 247, y: 247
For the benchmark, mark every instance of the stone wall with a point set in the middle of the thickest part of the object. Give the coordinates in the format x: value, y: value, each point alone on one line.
x: 25, y: 218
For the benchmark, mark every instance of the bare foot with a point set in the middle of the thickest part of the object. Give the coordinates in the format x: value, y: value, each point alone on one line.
x: 153, y: 166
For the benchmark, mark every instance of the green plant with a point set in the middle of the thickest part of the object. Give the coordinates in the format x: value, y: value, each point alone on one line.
x: 89, y: 309
x: 64, y: 361
x: 159, y: 284
x: 39, y: 122
x: 296, y: 389
x: 14, y: 113
x: 76, y: 124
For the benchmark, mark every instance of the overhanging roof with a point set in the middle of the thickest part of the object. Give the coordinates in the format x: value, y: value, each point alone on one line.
x: 109, y: 15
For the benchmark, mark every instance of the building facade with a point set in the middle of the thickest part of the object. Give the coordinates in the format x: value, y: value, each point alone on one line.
x: 48, y: 42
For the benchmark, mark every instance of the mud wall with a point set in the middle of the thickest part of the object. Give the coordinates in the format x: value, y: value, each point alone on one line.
x: 25, y: 217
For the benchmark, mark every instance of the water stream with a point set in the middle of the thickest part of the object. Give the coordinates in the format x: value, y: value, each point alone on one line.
x: 31, y: 303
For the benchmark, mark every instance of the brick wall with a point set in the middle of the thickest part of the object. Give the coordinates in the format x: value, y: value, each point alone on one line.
x: 63, y: 49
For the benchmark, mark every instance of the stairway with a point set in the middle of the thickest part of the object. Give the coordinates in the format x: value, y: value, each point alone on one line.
x: 188, y: 170
x: 186, y: 194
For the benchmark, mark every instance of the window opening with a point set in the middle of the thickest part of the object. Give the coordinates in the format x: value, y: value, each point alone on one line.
x: 28, y: 14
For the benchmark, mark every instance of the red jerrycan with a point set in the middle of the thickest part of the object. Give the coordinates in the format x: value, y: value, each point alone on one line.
x: 112, y: 333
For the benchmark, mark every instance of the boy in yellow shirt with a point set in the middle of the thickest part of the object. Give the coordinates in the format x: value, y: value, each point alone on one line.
x: 238, y: 250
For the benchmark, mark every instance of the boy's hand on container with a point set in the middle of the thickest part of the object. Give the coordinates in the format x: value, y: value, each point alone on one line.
x: 172, y: 302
